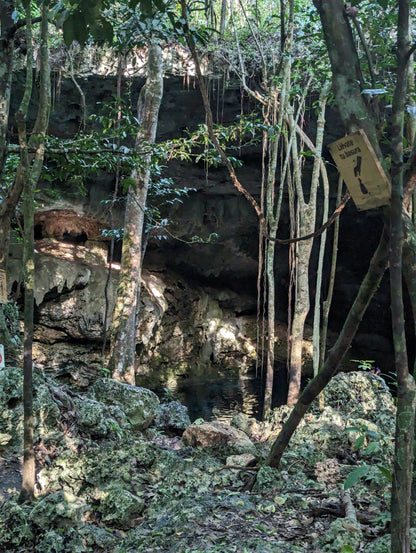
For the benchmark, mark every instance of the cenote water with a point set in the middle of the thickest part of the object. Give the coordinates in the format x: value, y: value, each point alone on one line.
x: 221, y: 396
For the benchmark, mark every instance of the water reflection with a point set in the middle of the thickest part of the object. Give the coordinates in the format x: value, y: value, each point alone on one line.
x: 220, y: 397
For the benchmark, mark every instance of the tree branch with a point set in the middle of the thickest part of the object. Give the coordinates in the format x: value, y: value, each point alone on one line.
x: 19, y: 24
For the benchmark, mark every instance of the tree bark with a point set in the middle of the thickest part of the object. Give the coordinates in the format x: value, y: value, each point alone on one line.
x: 347, y: 78
x: 6, y: 71
x: 406, y: 393
x: 307, y: 216
x: 367, y: 290
x: 124, y: 333
x: 30, y: 175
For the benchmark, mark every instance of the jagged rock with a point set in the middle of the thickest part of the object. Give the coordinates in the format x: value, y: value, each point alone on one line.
x: 46, y: 407
x: 58, y: 541
x: 16, y: 530
x: 328, y: 472
x: 100, y: 420
x: 209, y: 434
x: 362, y: 395
x: 340, y: 533
x: 94, y: 535
x: 139, y: 404
x: 244, y: 460
x: 11, y: 409
x: 246, y: 424
x: 118, y: 505
x: 173, y: 416
x: 61, y: 510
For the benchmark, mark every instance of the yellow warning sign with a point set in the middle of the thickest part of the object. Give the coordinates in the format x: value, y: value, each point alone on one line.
x: 361, y: 170
x: 3, y: 287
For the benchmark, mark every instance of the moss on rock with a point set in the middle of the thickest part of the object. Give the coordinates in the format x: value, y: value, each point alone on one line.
x: 118, y: 505
x: 139, y: 404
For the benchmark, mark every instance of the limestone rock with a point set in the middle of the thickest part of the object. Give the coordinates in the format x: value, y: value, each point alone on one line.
x: 362, y: 395
x: 60, y: 542
x: 119, y: 505
x: 98, y: 419
x: 243, y: 460
x: 4, y: 439
x: 340, y: 533
x: 248, y: 425
x: 214, y: 433
x: 60, y: 509
x: 173, y: 416
x: 11, y: 408
x: 139, y: 404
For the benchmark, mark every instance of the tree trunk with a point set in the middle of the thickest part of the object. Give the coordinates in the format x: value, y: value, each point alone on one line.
x: 6, y: 70
x: 316, y: 385
x: 328, y: 301
x: 406, y: 393
x: 307, y: 216
x: 30, y: 174
x: 123, y: 338
x: 346, y: 70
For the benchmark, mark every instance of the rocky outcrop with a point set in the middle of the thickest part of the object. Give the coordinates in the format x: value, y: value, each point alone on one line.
x: 183, y: 327
x: 212, y: 434
x: 139, y: 405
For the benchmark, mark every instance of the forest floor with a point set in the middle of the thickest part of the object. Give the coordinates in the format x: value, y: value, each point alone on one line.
x: 113, y: 490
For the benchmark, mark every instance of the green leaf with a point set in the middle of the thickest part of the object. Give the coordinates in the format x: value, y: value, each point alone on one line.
x: 371, y: 448
x: 347, y: 549
x: 359, y: 442
x: 75, y: 28
x: 385, y: 472
x: 352, y: 429
x: 355, y: 476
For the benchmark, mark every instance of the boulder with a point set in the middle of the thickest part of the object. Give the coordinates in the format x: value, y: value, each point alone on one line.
x: 60, y: 510
x: 173, y: 416
x: 362, y: 395
x: 243, y: 460
x: 100, y: 420
x: 249, y: 425
x: 210, y: 434
x: 118, y: 505
x: 139, y: 404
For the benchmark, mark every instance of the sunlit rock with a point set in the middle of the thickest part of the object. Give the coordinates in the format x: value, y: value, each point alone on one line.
x: 100, y: 420
x: 118, y: 505
x: 248, y: 425
x: 139, y: 404
x: 362, y: 395
x: 209, y: 434
x: 59, y: 510
x: 243, y: 460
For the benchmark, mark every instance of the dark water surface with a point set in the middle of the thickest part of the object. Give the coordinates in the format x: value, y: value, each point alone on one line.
x: 220, y: 397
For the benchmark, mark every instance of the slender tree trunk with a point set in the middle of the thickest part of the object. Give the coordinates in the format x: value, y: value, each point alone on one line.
x: 406, y: 392
x: 271, y: 306
x: 6, y: 70
x: 366, y: 292
x: 223, y: 18
x: 123, y: 338
x: 30, y: 174
x: 328, y: 301
x: 301, y: 310
x: 307, y: 214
